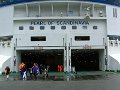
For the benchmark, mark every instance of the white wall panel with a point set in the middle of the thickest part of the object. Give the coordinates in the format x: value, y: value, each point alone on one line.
x: 6, y: 21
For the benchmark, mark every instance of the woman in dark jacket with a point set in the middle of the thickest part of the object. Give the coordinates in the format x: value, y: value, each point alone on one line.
x: 7, y: 72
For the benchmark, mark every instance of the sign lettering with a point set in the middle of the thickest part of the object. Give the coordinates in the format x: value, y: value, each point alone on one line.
x: 86, y: 47
x: 38, y: 48
x: 60, y: 22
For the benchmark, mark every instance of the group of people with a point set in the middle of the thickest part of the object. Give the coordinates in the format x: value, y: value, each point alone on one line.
x: 35, y: 70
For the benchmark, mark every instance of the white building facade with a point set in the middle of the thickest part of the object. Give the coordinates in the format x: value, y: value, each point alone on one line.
x: 74, y: 34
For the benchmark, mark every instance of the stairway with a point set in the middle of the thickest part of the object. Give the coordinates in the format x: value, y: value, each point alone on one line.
x: 3, y: 60
x: 114, y: 62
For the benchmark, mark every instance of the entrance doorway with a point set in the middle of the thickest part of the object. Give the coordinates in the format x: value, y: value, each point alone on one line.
x: 85, y: 60
x: 51, y: 57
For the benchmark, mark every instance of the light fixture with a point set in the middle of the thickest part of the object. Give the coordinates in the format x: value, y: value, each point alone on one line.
x: 111, y: 43
x: 88, y: 8
x: 101, y: 13
x: 87, y: 17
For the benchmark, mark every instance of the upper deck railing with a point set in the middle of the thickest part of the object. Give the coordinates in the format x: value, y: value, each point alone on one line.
x: 10, y: 2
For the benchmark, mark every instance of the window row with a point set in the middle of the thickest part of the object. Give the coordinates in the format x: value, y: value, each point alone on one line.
x: 3, y: 44
x: 114, y: 37
x: 53, y: 27
x: 77, y: 38
x: 114, y: 43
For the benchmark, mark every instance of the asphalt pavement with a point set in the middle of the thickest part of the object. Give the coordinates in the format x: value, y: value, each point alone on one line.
x: 110, y: 81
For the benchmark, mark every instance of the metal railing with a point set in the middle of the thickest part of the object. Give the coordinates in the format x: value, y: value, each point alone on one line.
x: 10, y: 2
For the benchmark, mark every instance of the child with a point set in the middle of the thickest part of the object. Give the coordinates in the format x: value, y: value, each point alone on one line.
x: 45, y: 73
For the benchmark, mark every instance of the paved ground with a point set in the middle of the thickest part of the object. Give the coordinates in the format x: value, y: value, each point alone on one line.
x: 110, y: 81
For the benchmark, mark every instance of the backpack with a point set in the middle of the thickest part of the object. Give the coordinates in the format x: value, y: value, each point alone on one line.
x: 21, y: 66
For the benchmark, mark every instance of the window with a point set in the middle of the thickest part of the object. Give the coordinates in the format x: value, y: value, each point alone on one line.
x: 112, y: 38
x: 110, y: 43
x: 119, y: 38
x: 115, y: 12
x: 21, y: 28
x: 3, y: 44
x: 52, y: 27
x: 74, y: 27
x: 31, y: 28
x: 95, y: 27
x: 82, y: 38
x: 42, y: 27
x: 84, y: 27
x: 63, y: 27
x: 38, y: 38
x: 70, y: 13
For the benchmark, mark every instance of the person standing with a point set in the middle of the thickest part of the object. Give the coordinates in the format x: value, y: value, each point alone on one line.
x: 48, y: 68
x: 7, y: 72
x: 58, y: 68
x: 21, y: 69
x: 61, y: 68
x: 35, y: 70
x: 24, y: 72
x: 40, y: 69
x: 45, y: 73
x: 31, y: 72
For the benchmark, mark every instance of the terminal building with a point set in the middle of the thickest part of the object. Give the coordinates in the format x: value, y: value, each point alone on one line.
x: 80, y: 35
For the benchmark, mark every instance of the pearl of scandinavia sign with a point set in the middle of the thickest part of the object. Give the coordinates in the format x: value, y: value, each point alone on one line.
x: 60, y: 22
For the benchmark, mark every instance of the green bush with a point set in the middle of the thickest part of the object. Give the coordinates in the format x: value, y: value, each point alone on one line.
x: 3, y: 73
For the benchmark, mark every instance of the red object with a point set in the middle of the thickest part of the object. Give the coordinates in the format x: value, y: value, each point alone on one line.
x: 60, y: 68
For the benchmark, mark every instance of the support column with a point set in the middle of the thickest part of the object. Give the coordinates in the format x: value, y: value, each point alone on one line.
x: 68, y: 54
